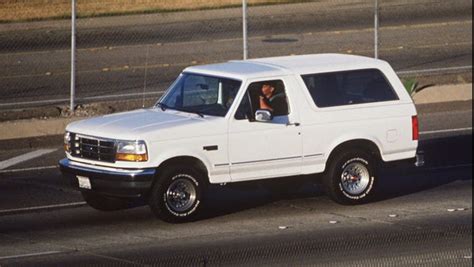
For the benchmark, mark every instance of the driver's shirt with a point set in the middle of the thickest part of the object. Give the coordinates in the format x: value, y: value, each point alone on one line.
x: 279, y: 104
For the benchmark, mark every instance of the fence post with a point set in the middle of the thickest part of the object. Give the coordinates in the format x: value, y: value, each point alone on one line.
x: 73, y: 56
x: 376, y: 29
x: 244, y: 26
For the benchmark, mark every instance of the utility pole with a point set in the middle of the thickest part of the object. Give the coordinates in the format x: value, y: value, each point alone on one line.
x: 73, y: 56
x: 376, y: 29
x: 245, y: 29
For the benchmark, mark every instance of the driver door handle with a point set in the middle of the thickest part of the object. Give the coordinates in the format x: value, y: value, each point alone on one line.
x: 296, y: 124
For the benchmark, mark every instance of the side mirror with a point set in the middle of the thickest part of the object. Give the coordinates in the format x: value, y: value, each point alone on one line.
x: 263, y: 115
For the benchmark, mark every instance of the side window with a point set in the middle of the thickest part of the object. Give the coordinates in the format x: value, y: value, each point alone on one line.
x: 349, y: 88
x: 270, y: 95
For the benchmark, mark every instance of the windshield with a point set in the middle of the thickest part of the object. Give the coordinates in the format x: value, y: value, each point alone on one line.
x: 204, y: 95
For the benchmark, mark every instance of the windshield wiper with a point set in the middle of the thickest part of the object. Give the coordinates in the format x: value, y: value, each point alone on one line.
x: 192, y: 111
x: 163, y: 107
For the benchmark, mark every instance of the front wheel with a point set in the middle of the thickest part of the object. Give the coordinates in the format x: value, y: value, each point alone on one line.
x: 351, y: 178
x: 176, y: 197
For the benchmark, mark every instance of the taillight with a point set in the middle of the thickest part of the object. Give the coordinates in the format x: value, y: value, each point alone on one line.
x: 416, y: 128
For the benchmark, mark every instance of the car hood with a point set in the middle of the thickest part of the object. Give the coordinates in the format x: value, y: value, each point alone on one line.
x: 134, y: 125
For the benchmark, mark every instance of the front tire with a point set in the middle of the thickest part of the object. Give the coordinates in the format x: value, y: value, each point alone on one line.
x: 176, y: 197
x: 351, y: 178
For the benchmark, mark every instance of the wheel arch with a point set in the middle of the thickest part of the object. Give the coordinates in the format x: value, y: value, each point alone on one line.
x: 365, y: 145
x: 187, y: 161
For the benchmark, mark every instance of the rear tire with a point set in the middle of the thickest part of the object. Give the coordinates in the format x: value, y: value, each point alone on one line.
x: 104, y: 203
x: 176, y: 197
x: 351, y: 178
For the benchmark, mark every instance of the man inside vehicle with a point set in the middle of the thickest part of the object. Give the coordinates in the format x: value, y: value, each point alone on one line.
x: 272, y: 100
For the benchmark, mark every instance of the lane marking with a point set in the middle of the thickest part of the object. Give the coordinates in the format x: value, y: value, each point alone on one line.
x: 397, y: 48
x: 46, y: 253
x: 447, y: 131
x: 185, y: 64
x: 28, y: 156
x: 29, y: 169
x: 42, y: 208
x: 109, y: 69
x: 395, y: 27
x: 64, y: 100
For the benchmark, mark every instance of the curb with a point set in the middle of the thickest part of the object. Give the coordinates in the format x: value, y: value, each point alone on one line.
x: 444, y: 93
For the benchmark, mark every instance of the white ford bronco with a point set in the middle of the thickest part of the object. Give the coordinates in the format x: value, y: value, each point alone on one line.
x: 336, y: 115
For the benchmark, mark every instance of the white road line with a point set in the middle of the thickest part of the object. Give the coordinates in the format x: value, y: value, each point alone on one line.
x: 31, y: 255
x: 29, y: 169
x: 42, y: 208
x: 28, y: 156
x: 447, y: 131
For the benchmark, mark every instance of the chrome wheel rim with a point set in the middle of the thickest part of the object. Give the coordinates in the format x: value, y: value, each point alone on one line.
x: 355, y: 178
x: 181, y: 195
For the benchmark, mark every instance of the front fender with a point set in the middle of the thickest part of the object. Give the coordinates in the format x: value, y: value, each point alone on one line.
x: 165, y: 151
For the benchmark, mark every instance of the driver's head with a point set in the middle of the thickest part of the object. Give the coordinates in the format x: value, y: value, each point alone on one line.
x: 267, y: 89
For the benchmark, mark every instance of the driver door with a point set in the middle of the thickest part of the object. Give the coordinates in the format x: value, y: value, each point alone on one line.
x: 260, y: 150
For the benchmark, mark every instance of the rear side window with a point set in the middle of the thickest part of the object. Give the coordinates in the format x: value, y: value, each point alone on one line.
x: 349, y: 88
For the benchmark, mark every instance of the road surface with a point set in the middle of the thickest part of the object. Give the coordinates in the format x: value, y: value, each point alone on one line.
x: 421, y: 216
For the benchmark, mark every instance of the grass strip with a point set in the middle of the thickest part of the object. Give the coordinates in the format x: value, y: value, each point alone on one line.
x: 38, y: 10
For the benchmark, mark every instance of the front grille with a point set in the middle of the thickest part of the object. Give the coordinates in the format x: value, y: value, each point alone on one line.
x: 93, y: 148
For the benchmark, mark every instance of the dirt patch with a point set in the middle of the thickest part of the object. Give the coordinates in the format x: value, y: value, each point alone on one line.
x: 25, y: 10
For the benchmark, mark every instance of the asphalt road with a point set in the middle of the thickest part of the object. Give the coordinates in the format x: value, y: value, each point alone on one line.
x: 116, y: 54
x: 421, y: 216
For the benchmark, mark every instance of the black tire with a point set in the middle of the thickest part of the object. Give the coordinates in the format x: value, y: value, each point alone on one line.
x: 351, y: 178
x: 105, y: 203
x: 176, y: 196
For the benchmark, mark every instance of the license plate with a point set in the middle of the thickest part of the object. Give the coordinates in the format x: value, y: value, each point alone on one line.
x: 84, y: 182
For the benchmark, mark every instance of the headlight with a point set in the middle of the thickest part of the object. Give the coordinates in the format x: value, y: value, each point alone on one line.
x: 131, y: 151
x: 67, y: 142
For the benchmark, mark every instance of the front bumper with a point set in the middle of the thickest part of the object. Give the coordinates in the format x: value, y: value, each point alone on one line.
x: 111, y: 182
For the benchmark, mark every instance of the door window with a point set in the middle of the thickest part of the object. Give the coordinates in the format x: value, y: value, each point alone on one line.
x: 269, y: 95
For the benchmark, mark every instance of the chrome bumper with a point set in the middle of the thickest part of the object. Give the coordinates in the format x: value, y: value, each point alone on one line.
x: 113, y: 182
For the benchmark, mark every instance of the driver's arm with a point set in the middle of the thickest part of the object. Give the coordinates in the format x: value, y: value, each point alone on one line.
x: 264, y: 104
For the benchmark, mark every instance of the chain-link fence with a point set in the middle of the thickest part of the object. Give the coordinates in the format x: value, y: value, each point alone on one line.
x: 140, y: 50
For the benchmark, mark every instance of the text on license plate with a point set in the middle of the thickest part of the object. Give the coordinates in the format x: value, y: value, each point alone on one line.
x: 84, y: 182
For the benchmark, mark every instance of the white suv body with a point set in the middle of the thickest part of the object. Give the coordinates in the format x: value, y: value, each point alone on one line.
x: 298, y: 142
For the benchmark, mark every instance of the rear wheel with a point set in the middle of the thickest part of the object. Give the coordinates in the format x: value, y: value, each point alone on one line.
x: 104, y: 203
x: 177, y: 195
x: 351, y: 177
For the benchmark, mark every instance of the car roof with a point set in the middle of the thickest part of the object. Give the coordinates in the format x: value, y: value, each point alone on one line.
x: 281, y: 66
